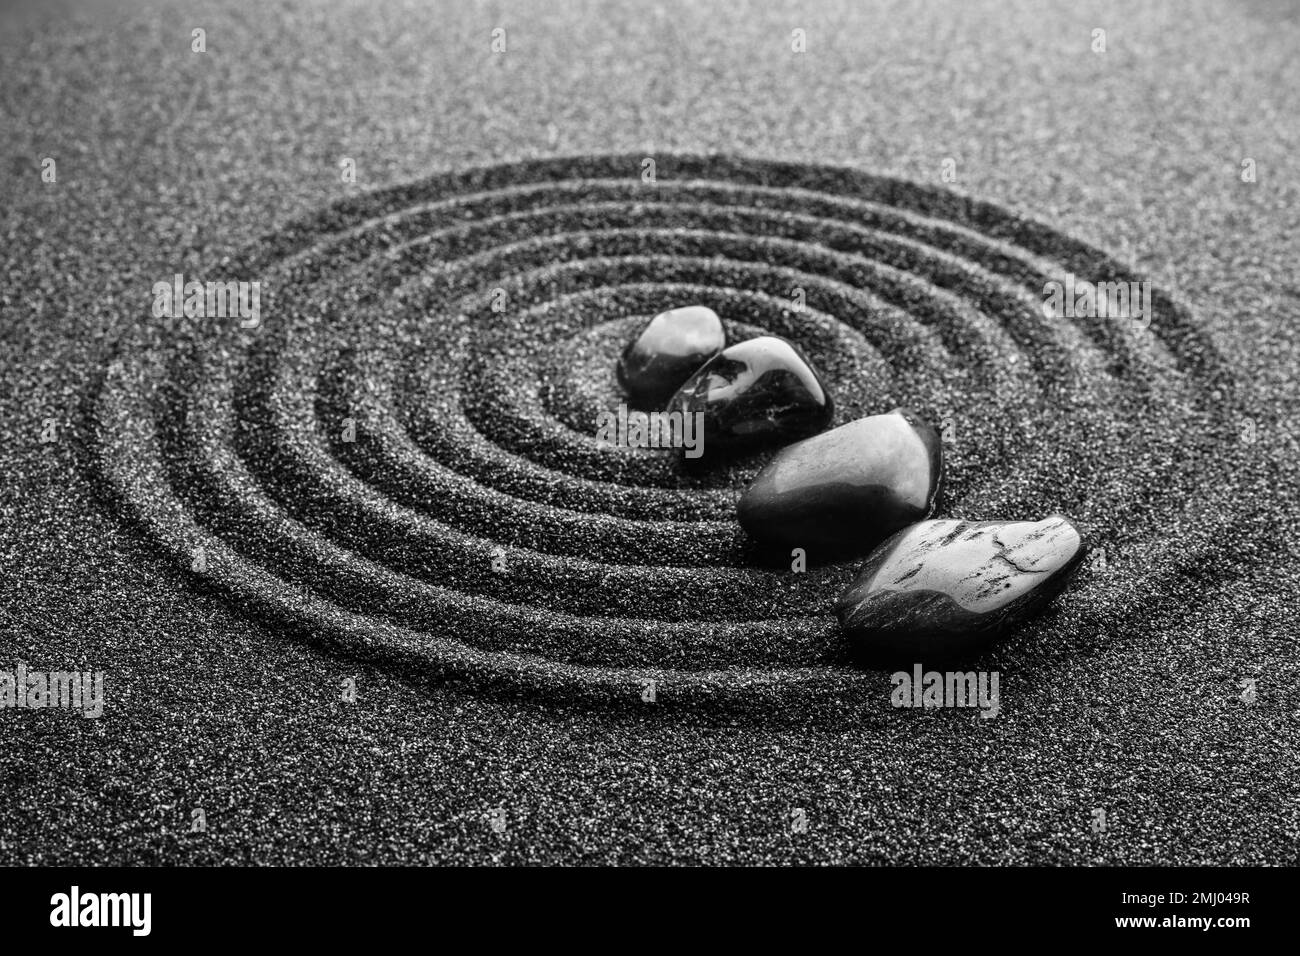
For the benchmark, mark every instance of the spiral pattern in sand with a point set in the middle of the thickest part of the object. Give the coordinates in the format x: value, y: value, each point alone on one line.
x: 401, y: 460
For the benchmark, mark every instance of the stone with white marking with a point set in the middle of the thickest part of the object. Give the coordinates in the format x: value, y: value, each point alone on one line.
x: 762, y: 391
x: 944, y: 587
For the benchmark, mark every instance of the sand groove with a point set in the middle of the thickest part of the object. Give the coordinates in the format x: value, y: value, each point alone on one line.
x: 474, y: 428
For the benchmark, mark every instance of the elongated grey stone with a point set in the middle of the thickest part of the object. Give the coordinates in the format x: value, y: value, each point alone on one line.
x: 944, y: 587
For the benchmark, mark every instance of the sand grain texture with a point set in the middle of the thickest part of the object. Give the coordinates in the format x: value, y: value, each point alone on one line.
x: 327, y: 559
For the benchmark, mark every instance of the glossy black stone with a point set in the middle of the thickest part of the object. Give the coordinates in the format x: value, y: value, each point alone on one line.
x: 759, y: 392
x: 848, y: 488
x: 672, y: 346
x: 942, y: 588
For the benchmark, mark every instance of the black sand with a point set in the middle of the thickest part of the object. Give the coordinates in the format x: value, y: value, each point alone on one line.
x: 522, y: 691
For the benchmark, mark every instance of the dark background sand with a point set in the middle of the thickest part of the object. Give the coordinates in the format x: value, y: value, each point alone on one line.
x: 168, y: 160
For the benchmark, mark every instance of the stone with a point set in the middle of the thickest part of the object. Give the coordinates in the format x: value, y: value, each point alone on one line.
x: 849, y: 488
x: 943, y: 588
x: 666, y: 353
x: 757, y: 392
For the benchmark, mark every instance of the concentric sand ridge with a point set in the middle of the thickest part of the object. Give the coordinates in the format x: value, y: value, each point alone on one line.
x: 401, y: 460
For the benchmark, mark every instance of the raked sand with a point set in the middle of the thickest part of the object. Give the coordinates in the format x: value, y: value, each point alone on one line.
x: 564, y: 652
